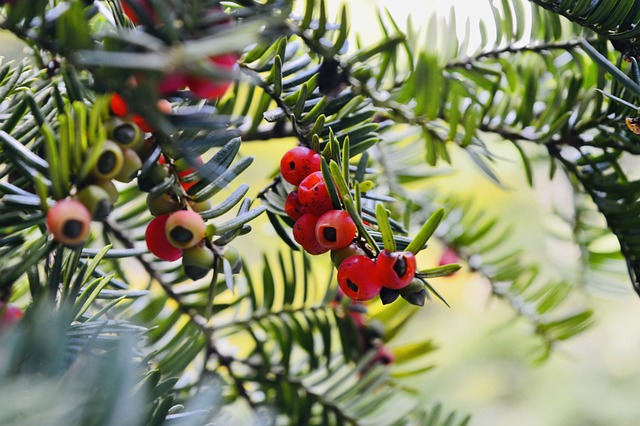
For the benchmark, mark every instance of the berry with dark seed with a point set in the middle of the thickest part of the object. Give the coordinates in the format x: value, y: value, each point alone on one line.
x: 298, y: 163
x: 185, y: 229
x: 69, y: 222
x: 335, y: 229
x: 109, y: 162
x: 313, y: 194
x: 304, y: 232
x: 357, y: 278
x: 157, y: 241
x: 125, y: 133
x: 396, y: 269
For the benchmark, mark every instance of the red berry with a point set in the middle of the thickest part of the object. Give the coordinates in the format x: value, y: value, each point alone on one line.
x: 9, y: 315
x: 313, y: 194
x: 298, y: 163
x: 293, y: 207
x: 449, y: 255
x: 396, y: 269
x: 185, y: 229
x: 205, y: 88
x: 358, y: 279
x: 157, y: 241
x: 335, y: 229
x: 144, y: 5
x: 184, y: 169
x: 70, y: 222
x: 384, y: 356
x: 172, y: 83
x: 118, y: 105
x: 142, y: 123
x: 304, y: 232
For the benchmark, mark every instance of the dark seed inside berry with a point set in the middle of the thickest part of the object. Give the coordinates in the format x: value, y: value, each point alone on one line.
x: 353, y: 286
x: 124, y: 134
x: 292, y: 165
x: 72, y: 228
x: 329, y: 234
x: 107, y: 162
x: 400, y: 267
x: 181, y: 234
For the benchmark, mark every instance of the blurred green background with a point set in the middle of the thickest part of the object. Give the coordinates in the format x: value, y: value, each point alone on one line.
x: 484, y: 364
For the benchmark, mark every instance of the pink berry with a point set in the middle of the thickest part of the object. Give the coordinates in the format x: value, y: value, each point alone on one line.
x: 335, y: 229
x: 449, y: 255
x: 184, y: 229
x: 69, y: 221
x: 157, y: 241
x: 357, y: 278
x: 313, y: 194
x: 396, y: 269
x: 9, y: 315
x: 298, y: 163
x: 304, y: 232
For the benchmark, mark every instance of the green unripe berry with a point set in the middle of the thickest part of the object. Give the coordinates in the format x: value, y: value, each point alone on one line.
x: 233, y: 257
x: 152, y: 177
x: 197, y: 261
x: 111, y: 189
x: 97, y: 200
x: 201, y: 206
x: 165, y: 203
x: 337, y: 256
x: 109, y: 162
x: 130, y: 166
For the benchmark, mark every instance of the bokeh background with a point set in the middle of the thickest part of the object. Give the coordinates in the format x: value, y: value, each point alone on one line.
x: 484, y: 365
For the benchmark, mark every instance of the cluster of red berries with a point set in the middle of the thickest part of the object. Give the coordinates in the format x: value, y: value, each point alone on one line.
x: 201, y: 88
x: 119, y: 158
x: 321, y: 227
